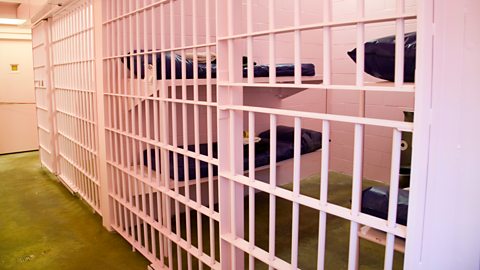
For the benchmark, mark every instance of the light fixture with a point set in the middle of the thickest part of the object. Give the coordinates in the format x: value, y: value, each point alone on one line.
x: 10, y: 21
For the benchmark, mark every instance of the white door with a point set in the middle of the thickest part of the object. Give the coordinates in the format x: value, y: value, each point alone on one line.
x: 18, y: 131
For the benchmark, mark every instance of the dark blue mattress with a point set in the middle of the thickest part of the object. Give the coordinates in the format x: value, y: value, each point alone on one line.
x: 282, y: 70
x: 375, y: 203
x: 310, y: 141
x: 380, y: 57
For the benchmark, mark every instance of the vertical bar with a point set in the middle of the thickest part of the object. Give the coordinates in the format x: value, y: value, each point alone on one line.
x: 271, y: 41
x: 327, y: 43
x: 156, y: 138
x: 174, y: 129
x: 127, y: 106
x: 251, y: 145
x: 250, y: 74
x: 185, y: 134
x: 105, y: 207
x: 233, y: 210
x: 140, y: 87
x: 296, y: 191
x: 211, y: 199
x: 399, y: 44
x: 297, y: 43
x: 393, y: 197
x: 50, y: 85
x: 273, y: 185
x: 426, y: 26
x: 164, y: 136
x: 198, y: 193
x: 360, y: 56
x: 251, y: 190
x: 323, y: 194
x: 122, y: 138
x: 229, y: 68
x: 356, y: 196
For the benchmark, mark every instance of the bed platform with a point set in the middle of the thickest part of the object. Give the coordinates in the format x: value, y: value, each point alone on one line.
x: 282, y: 70
x: 284, y: 168
x: 150, y: 81
x: 380, y: 237
x: 310, y: 150
x: 375, y: 202
x: 310, y: 141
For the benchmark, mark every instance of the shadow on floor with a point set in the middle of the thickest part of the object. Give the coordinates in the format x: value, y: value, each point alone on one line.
x: 43, y: 226
x: 338, y: 230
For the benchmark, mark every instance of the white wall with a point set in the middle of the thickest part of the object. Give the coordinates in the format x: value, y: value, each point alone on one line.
x: 17, y: 121
x: 445, y: 232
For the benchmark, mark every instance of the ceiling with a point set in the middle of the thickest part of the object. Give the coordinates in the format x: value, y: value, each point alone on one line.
x: 26, y: 9
x: 8, y: 10
x: 15, y: 1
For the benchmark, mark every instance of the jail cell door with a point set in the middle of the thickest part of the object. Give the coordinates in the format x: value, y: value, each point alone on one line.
x: 43, y: 95
x: 72, y: 49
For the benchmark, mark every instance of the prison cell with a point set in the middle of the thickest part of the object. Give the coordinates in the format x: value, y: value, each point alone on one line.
x: 200, y: 114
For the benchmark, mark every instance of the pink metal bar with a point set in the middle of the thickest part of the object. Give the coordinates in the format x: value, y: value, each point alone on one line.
x: 323, y: 194
x: 327, y: 43
x: 271, y: 41
x: 251, y: 190
x: 360, y: 56
x: 353, y: 253
x: 393, y: 197
x: 399, y: 44
x: 273, y: 184
x: 78, y: 153
x: 296, y: 191
x: 106, y: 141
x: 297, y: 42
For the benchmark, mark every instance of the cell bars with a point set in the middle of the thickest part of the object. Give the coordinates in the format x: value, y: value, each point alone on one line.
x: 173, y: 78
x: 234, y: 40
x: 161, y: 128
x: 72, y: 48
x: 43, y: 94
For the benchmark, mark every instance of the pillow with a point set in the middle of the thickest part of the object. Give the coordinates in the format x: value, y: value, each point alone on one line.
x: 380, y: 57
x: 310, y: 140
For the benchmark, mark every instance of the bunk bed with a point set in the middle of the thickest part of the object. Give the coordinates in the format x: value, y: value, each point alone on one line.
x: 142, y: 74
x: 375, y: 201
x: 310, y: 141
x: 281, y: 70
x: 380, y: 63
x: 380, y: 57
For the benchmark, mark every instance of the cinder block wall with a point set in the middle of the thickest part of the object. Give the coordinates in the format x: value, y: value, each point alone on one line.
x: 378, y: 105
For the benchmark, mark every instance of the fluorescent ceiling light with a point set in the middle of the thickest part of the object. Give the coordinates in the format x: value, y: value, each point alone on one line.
x: 12, y: 21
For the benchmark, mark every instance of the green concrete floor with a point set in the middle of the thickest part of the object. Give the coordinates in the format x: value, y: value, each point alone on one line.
x: 43, y: 226
x: 338, y: 229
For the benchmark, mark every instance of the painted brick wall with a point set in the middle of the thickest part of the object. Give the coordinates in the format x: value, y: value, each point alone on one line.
x: 378, y: 105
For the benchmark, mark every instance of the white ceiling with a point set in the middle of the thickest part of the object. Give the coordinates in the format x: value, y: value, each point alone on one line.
x: 15, y: 1
x: 25, y: 9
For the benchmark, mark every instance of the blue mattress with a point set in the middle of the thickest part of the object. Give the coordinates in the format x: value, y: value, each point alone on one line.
x: 375, y: 203
x: 282, y: 70
x: 310, y: 141
x: 380, y: 57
